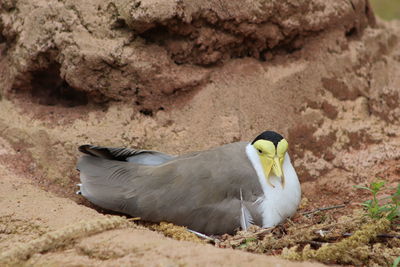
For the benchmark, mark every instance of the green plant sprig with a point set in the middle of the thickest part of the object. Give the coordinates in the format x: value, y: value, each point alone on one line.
x: 375, y: 209
x: 396, y: 262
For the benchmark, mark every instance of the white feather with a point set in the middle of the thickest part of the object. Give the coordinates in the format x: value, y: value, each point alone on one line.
x: 278, y: 202
x: 201, y: 235
x: 245, y: 217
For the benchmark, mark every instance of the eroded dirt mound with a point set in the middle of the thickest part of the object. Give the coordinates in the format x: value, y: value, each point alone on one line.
x: 143, y: 51
x: 206, y: 32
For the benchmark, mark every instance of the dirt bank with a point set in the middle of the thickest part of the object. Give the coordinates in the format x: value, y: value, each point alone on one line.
x: 149, y: 52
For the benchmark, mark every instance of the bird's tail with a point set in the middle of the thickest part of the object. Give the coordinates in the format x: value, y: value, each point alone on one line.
x: 106, y: 183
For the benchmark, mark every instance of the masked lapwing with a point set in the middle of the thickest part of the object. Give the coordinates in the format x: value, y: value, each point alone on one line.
x: 213, y: 192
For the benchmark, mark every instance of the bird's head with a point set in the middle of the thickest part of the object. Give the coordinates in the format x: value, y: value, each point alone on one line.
x: 271, y: 148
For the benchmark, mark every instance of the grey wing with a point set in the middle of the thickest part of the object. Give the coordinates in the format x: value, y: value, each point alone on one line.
x: 194, y: 190
x: 220, y: 218
x: 181, y: 191
x: 144, y: 157
x: 106, y: 183
x: 152, y: 158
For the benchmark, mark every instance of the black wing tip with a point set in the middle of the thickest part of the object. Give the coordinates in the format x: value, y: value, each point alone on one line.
x: 84, y: 148
x: 96, y: 151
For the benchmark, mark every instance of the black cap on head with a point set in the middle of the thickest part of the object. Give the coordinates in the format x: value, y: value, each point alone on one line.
x: 272, y: 136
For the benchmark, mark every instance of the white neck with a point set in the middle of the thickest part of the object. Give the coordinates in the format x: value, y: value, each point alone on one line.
x: 278, y: 202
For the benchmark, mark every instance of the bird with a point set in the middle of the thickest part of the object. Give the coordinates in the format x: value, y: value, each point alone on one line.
x: 216, y: 191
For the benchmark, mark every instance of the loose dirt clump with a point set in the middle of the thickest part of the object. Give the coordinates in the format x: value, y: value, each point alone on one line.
x: 339, y: 89
x: 330, y: 110
x: 386, y: 105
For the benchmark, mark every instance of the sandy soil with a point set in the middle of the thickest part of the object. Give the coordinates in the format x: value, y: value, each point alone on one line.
x: 327, y: 79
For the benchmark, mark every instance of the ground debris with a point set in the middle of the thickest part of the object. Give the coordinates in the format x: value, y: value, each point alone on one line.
x: 371, y: 242
x: 60, y: 238
x: 174, y: 231
x: 353, y: 250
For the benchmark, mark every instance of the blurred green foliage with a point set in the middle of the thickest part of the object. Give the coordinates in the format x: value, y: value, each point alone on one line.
x: 386, y: 9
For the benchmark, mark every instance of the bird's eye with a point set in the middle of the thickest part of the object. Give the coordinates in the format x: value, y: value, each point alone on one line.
x: 259, y: 151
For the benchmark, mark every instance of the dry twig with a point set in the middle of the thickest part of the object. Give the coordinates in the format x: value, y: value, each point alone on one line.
x: 380, y: 235
x: 323, y: 209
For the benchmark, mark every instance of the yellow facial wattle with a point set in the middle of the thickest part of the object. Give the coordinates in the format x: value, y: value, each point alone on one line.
x: 272, y: 159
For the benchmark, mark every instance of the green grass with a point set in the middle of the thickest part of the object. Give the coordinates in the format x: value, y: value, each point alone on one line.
x: 386, y: 9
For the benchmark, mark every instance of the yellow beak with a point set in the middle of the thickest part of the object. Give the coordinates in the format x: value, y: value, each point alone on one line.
x: 274, y: 165
x: 277, y: 167
x: 271, y: 158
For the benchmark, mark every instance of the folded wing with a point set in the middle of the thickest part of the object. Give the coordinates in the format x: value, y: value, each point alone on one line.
x: 145, y: 157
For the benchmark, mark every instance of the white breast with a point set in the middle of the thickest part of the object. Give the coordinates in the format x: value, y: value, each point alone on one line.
x: 278, y: 203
